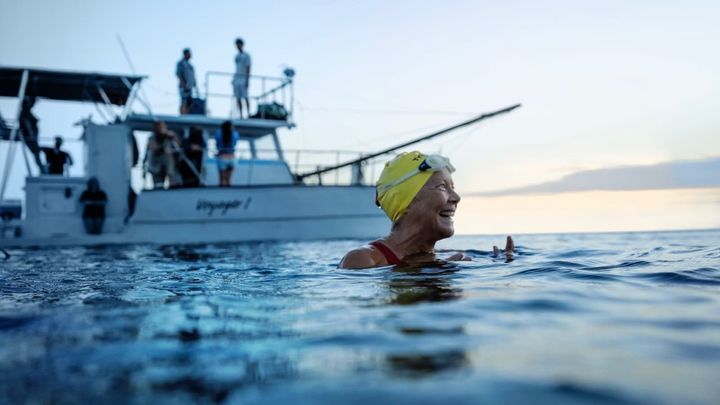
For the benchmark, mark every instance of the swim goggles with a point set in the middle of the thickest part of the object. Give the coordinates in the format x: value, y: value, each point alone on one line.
x: 432, y: 163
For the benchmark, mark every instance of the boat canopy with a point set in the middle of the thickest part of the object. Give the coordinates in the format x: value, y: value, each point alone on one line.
x: 68, y: 86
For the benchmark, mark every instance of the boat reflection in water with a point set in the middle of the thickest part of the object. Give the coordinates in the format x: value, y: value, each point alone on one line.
x: 415, y: 285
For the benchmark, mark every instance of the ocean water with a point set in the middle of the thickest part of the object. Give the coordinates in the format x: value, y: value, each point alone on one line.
x: 586, y: 318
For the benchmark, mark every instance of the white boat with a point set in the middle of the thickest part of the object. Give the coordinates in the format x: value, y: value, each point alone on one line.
x: 266, y: 202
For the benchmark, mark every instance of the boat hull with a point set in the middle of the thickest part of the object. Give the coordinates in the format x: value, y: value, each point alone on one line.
x: 215, y: 215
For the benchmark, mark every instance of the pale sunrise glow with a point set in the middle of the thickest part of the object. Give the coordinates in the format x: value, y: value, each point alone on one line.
x: 590, y: 211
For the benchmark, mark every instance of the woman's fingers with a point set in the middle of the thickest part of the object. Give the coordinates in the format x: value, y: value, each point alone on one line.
x: 509, y: 245
x: 509, y: 249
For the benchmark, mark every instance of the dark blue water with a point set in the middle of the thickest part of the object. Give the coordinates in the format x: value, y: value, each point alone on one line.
x: 592, y: 318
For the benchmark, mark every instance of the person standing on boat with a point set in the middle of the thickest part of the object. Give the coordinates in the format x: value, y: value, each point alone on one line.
x: 241, y: 79
x: 57, y: 159
x: 160, y: 155
x: 417, y: 193
x: 94, y: 201
x: 194, y: 149
x: 28, y: 125
x: 225, y: 139
x: 185, y: 73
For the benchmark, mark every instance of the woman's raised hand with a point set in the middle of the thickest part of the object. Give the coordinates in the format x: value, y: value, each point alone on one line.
x: 509, y: 250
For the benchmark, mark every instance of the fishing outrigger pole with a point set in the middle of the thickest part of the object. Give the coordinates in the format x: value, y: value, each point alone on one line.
x: 484, y: 116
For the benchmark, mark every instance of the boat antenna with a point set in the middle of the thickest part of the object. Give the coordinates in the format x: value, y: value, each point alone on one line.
x: 127, y: 55
x: 143, y: 97
x: 471, y: 121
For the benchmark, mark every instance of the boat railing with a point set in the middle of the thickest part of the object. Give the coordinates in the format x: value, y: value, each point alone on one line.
x: 263, y: 90
x: 6, y: 128
x: 306, y: 160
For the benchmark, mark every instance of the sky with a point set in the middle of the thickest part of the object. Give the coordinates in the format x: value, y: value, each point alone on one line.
x: 611, y: 91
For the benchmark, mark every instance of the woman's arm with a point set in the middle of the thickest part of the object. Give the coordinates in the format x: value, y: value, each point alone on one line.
x: 508, y: 251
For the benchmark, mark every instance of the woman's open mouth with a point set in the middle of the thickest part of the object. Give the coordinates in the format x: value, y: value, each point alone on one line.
x: 447, y: 213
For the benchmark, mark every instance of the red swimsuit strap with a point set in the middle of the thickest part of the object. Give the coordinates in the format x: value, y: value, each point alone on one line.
x: 389, y: 255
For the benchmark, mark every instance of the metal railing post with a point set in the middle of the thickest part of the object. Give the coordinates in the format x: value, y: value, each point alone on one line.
x: 13, y: 135
x: 292, y: 97
x: 337, y: 172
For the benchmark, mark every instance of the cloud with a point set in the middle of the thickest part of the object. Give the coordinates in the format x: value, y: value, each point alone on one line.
x: 703, y: 173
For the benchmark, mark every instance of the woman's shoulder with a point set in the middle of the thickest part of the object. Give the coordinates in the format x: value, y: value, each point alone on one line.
x: 362, y: 258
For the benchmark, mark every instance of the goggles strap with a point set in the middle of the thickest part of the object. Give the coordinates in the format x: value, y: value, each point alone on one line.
x: 427, y: 164
x: 398, y: 181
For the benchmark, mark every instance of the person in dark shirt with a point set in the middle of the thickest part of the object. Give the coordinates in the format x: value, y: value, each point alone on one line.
x: 56, y: 158
x: 194, y: 150
x: 94, y: 201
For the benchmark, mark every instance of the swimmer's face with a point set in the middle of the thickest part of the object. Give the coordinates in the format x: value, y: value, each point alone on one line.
x: 434, y: 206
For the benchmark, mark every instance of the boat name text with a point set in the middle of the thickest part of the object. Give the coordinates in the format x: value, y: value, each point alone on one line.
x: 222, y: 206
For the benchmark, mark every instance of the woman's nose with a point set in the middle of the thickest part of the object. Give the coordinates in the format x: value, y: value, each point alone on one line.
x: 454, y: 196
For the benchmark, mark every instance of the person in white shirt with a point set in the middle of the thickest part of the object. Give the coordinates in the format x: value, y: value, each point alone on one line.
x: 241, y: 78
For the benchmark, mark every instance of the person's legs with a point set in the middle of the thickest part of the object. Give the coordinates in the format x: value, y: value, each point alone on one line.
x: 172, y: 173
x: 34, y: 147
x: 93, y: 225
x: 97, y: 225
x: 247, y: 107
x: 193, y: 178
x: 185, y: 101
x: 224, y: 178
x: 161, y: 172
x: 88, y: 222
x: 225, y: 168
x: 240, y: 107
x: 158, y: 179
x: 240, y: 90
x: 228, y: 176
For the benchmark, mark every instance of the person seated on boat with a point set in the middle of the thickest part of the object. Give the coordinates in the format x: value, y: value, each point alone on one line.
x: 225, y: 139
x: 161, y: 150
x: 417, y: 193
x: 57, y: 159
x: 28, y: 126
x: 94, y: 201
x: 191, y: 167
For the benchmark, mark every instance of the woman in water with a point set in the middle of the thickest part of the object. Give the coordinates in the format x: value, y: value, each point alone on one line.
x: 417, y: 193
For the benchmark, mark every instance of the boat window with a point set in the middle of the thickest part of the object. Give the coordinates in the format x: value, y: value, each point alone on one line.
x: 266, y: 148
x: 136, y: 174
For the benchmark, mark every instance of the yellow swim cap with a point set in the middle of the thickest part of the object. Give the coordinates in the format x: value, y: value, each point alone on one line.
x: 395, y: 190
